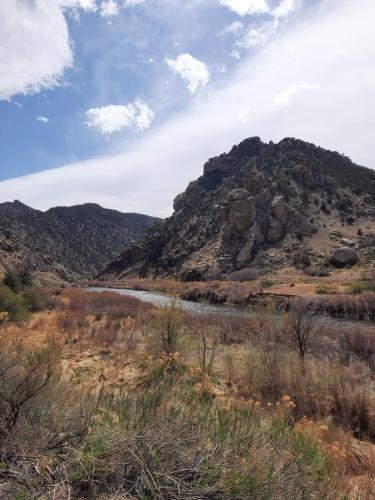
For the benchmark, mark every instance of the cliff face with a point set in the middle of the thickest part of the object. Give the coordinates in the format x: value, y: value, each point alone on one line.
x: 260, y: 206
x: 70, y: 242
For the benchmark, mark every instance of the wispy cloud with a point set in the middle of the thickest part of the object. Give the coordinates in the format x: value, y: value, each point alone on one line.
x: 284, y: 98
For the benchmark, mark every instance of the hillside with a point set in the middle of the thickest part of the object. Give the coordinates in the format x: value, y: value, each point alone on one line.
x: 261, y: 207
x: 70, y: 242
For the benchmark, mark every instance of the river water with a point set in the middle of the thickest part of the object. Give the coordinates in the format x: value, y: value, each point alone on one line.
x: 159, y: 299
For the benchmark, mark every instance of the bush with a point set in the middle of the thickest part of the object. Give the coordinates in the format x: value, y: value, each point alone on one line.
x: 168, y: 327
x: 14, y: 304
x: 36, y: 299
x: 12, y: 281
x: 266, y: 283
x: 325, y: 290
x: 360, y: 287
x: 24, y: 374
x: 243, y: 275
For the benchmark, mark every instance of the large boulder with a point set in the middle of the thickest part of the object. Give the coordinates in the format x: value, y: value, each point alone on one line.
x: 343, y: 257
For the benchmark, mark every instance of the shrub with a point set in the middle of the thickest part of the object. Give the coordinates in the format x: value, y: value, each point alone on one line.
x: 243, y: 275
x: 35, y: 299
x: 12, y: 281
x: 168, y: 326
x: 266, y: 283
x: 14, y: 304
x: 325, y: 290
x: 23, y: 376
x: 360, y: 287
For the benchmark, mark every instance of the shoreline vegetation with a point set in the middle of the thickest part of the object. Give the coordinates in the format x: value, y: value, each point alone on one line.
x: 106, y: 396
x: 355, y: 301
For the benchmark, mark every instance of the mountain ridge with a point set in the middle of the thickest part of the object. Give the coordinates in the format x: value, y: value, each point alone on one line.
x: 259, y: 206
x: 69, y: 242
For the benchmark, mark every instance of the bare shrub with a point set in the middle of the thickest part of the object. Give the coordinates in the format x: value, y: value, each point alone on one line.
x: 107, y: 332
x: 301, y: 325
x: 168, y: 326
x: 353, y: 408
x: 23, y: 375
x: 208, y: 344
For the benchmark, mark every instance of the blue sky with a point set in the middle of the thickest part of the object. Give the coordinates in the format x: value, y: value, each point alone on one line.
x: 120, y: 102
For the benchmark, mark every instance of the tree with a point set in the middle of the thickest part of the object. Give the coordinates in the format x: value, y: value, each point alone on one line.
x: 301, y: 325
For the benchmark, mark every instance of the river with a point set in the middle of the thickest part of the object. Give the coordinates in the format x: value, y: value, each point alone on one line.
x: 159, y: 299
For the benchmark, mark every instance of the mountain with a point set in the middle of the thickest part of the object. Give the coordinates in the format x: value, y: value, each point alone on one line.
x: 260, y: 206
x: 70, y: 242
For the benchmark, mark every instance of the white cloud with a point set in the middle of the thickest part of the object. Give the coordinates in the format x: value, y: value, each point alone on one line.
x: 132, y: 3
x: 233, y: 28
x: 42, y: 119
x: 113, y: 118
x: 285, y: 8
x: 86, y: 5
x: 246, y: 7
x: 257, y: 36
x: 330, y: 48
x: 235, y: 53
x: 192, y: 70
x: 109, y: 8
x: 285, y: 97
x: 35, y: 49
x: 260, y: 34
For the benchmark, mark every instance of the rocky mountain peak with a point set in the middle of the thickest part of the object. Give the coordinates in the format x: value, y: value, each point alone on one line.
x: 256, y: 198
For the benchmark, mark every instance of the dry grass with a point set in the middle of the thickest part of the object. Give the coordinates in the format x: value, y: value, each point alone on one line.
x: 154, y: 425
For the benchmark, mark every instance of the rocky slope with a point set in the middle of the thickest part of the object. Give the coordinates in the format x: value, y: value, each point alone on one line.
x: 70, y: 242
x: 261, y: 206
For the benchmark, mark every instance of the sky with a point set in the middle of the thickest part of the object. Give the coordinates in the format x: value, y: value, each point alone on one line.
x: 121, y: 102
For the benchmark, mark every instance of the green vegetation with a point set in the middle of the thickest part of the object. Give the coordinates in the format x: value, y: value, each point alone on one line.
x: 266, y: 283
x: 361, y: 287
x: 325, y: 290
x: 14, y: 304
x: 18, y: 297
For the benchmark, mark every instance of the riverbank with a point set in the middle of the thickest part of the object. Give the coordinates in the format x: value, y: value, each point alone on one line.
x: 263, y: 293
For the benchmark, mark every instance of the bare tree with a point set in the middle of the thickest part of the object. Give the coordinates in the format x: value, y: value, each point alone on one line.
x: 301, y: 325
x: 207, y: 351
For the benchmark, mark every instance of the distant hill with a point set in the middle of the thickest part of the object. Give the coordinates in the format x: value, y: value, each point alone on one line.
x: 70, y: 242
x: 260, y: 207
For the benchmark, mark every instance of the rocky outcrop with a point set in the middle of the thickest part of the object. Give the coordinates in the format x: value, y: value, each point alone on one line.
x: 71, y: 242
x: 254, y: 207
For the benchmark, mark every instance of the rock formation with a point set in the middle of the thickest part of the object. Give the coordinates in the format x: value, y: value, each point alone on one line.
x: 258, y: 206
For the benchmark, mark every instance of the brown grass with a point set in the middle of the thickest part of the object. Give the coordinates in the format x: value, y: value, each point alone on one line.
x: 155, y: 422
